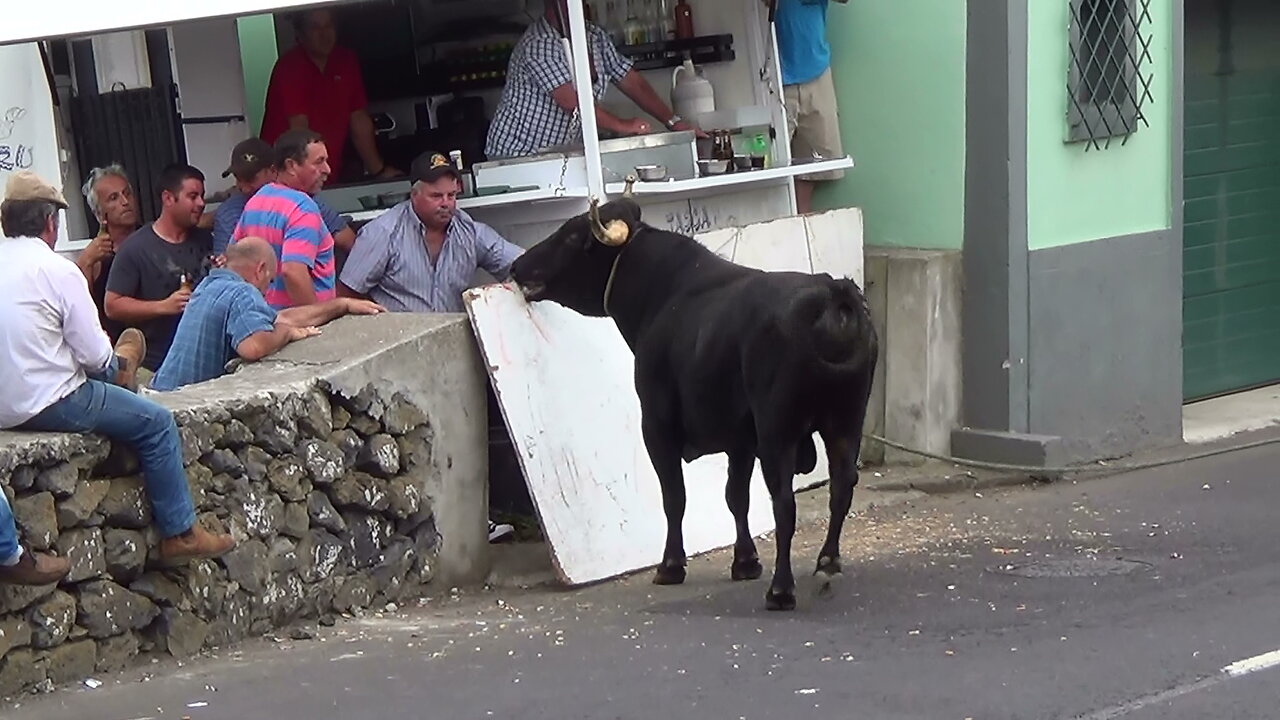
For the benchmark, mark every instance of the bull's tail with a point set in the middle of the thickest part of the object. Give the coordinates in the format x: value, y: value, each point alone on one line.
x: 839, y: 324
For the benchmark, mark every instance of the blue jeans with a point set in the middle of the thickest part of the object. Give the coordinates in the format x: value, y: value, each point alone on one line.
x: 8, y: 532
x: 147, y: 427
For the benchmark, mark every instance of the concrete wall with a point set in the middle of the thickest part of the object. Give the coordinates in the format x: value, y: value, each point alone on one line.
x: 915, y: 302
x: 1105, y: 346
x: 900, y: 80
x: 350, y: 469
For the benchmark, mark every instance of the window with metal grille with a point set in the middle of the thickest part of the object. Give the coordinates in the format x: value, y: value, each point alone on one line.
x: 1108, y: 78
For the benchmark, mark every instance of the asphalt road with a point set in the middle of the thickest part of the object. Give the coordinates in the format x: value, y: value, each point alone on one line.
x: 1123, y: 597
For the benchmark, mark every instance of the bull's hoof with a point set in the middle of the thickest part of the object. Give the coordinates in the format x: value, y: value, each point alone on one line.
x: 829, y: 575
x: 779, y: 600
x: 746, y: 569
x: 669, y: 574
x: 827, y: 565
x: 827, y: 583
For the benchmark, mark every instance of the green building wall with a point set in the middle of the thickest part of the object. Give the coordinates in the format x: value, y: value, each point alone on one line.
x: 899, y: 68
x: 1076, y: 195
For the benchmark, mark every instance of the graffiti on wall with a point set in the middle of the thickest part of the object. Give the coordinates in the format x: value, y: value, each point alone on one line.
x: 14, y: 154
x: 691, y: 217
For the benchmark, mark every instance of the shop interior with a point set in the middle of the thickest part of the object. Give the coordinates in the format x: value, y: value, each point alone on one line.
x: 433, y: 72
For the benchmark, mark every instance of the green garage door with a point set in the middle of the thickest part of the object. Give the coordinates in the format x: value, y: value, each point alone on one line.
x: 1231, y: 250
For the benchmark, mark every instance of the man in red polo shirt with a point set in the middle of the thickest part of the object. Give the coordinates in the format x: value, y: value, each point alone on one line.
x: 317, y: 86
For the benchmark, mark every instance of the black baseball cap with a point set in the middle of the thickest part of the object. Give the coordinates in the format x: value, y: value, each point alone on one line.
x: 249, y: 157
x: 431, y: 166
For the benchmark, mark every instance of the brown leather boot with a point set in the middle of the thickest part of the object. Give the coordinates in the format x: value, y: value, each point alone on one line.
x: 195, y: 544
x: 132, y: 348
x: 35, y: 569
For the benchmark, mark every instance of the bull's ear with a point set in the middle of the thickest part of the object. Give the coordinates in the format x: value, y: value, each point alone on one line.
x: 625, y: 209
x: 581, y: 235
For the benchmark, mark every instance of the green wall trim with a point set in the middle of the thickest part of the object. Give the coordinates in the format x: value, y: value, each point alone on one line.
x: 257, y: 57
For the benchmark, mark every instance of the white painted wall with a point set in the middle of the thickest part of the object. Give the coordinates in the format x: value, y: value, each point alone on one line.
x: 206, y: 65
x: 120, y: 60
x: 28, y: 130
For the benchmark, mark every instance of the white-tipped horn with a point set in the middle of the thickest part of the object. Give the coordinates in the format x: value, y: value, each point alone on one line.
x: 597, y: 228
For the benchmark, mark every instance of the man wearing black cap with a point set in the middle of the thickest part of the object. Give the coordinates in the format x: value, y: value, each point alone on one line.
x: 253, y: 163
x: 421, y: 255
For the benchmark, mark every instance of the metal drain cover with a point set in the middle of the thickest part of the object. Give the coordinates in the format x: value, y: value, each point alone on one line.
x: 1070, y: 568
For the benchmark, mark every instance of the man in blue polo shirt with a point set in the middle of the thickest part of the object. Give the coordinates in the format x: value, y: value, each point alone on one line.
x: 807, y: 88
x: 228, y: 318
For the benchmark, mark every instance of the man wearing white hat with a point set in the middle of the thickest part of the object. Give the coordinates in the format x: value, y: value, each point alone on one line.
x: 68, y: 378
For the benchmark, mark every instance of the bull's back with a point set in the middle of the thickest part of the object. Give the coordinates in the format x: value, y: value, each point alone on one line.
x: 734, y: 350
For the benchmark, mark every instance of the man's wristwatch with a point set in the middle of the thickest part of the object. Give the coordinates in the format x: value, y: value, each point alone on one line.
x: 673, y: 121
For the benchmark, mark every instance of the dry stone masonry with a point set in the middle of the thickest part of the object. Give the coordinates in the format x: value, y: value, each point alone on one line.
x: 324, y: 493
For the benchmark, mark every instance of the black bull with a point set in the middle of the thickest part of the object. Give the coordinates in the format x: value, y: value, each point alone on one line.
x: 727, y: 359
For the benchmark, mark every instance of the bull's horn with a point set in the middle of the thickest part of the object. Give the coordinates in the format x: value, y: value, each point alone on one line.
x: 615, y: 234
x: 597, y: 228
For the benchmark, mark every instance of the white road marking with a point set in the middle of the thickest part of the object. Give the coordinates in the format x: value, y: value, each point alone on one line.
x: 1234, y: 670
x: 1116, y: 711
x: 1253, y: 664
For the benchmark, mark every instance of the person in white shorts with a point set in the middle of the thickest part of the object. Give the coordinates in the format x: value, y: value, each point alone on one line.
x: 810, y: 94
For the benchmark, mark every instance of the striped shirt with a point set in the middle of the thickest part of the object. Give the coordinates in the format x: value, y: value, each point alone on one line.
x: 228, y: 213
x: 390, y: 263
x: 292, y: 223
x: 527, y: 118
x: 224, y: 311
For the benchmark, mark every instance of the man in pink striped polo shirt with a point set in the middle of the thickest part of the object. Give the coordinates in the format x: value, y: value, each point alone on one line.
x: 285, y: 215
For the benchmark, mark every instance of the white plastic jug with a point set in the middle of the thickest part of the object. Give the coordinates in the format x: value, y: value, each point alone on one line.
x: 691, y: 94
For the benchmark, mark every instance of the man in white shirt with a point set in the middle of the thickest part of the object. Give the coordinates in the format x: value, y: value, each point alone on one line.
x: 65, y: 377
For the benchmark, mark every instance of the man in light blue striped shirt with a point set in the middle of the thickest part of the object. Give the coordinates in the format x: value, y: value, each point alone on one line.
x: 421, y: 255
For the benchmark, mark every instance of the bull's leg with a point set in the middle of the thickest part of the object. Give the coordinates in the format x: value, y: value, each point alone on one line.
x: 844, y: 443
x: 664, y: 453
x: 842, y: 457
x: 737, y: 493
x: 779, y: 466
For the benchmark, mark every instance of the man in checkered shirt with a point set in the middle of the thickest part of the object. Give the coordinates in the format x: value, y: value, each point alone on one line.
x: 536, y: 110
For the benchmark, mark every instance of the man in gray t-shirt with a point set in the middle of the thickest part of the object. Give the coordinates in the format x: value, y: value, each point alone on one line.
x: 156, y: 269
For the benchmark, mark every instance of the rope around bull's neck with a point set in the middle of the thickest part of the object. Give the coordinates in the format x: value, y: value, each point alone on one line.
x: 613, y: 271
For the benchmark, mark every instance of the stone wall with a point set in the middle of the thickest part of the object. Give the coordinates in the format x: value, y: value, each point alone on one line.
x: 331, y: 482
